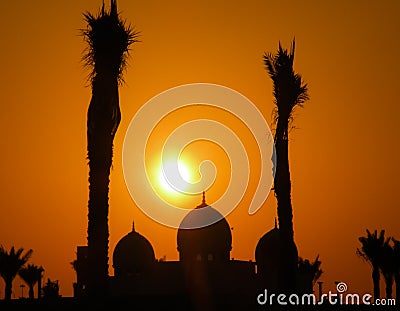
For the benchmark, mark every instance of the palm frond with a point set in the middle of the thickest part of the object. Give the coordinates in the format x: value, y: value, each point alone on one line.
x: 11, y: 262
x: 30, y: 274
x: 372, y: 246
x: 289, y: 89
x: 108, y: 39
x: 311, y: 268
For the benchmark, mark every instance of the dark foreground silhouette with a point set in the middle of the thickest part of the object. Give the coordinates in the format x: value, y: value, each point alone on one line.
x: 170, y: 302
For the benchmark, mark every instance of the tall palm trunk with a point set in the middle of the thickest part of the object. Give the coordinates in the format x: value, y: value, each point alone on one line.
x: 103, y: 109
x: 376, y: 280
x: 282, y: 185
x: 397, y: 282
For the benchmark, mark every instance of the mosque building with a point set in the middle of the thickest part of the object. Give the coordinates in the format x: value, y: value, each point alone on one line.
x: 204, y: 264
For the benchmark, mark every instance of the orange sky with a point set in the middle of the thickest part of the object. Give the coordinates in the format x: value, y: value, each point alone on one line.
x: 343, y: 156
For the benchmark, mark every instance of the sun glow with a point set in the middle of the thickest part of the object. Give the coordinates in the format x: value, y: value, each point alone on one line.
x: 183, y: 171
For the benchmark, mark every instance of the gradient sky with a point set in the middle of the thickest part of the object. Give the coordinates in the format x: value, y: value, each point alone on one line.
x: 343, y: 155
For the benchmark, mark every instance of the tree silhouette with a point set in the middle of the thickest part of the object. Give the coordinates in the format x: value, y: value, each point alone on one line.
x: 10, y: 264
x: 51, y: 290
x: 31, y: 275
x: 289, y: 91
x: 371, y: 251
x: 108, y: 39
x: 388, y: 267
x: 312, y: 269
x: 396, y: 255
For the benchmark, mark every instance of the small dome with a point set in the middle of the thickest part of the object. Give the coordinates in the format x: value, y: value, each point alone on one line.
x: 269, y: 246
x: 133, y: 255
x: 268, y: 253
x: 210, y: 243
x: 268, y: 257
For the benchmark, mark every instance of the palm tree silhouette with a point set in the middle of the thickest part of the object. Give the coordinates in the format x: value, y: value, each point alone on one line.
x: 388, y: 266
x: 371, y: 251
x: 289, y: 91
x: 10, y: 264
x: 396, y: 255
x: 31, y: 275
x: 108, y: 39
x: 51, y: 290
x: 311, y: 269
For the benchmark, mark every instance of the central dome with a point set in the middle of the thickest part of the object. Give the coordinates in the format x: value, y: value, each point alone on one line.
x: 210, y: 243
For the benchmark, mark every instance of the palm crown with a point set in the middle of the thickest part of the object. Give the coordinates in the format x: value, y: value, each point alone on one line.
x: 289, y: 89
x: 10, y: 264
x: 108, y: 38
x: 371, y: 247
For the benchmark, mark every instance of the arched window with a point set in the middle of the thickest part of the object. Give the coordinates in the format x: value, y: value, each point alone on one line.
x: 210, y: 257
x: 198, y: 257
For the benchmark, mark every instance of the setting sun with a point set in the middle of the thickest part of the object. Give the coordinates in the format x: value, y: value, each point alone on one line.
x: 183, y: 173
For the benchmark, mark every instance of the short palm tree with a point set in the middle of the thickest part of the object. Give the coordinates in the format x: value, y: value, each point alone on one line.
x: 371, y: 251
x: 31, y: 274
x: 10, y: 264
x: 108, y: 39
x: 396, y: 258
x: 388, y: 267
x: 51, y: 290
x: 312, y: 269
x: 290, y: 92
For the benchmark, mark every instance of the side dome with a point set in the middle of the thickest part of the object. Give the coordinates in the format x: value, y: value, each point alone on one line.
x: 268, y: 247
x: 210, y: 243
x: 133, y: 255
x: 268, y: 257
x: 268, y: 253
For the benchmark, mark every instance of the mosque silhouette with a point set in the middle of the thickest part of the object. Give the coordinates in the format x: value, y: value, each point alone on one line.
x: 204, y: 268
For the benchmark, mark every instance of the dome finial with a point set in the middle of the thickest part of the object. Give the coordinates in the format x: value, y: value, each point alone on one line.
x: 133, y: 226
x: 203, y: 201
